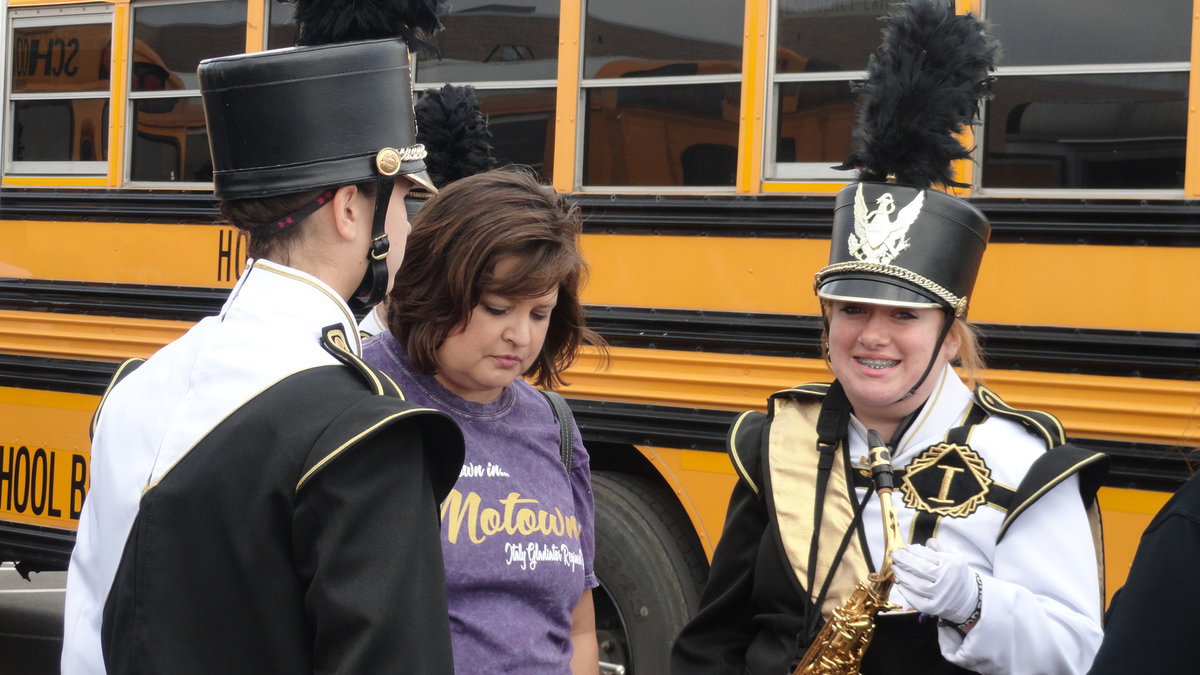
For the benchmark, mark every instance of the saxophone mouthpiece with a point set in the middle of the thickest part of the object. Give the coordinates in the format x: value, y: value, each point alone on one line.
x: 881, y: 462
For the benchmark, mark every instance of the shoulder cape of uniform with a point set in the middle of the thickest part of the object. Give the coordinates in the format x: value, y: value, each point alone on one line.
x: 745, y: 438
x: 377, y: 411
x: 1060, y: 461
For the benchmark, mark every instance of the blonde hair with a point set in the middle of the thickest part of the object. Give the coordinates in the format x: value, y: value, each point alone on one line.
x: 969, y: 357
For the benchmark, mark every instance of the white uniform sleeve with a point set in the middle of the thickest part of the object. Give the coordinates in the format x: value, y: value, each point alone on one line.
x: 1041, y: 603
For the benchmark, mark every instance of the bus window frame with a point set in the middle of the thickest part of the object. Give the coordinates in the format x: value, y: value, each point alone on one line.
x: 133, y: 97
x: 22, y: 17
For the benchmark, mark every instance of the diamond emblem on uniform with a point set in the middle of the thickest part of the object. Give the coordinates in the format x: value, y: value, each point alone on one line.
x: 876, y: 237
x: 947, y: 479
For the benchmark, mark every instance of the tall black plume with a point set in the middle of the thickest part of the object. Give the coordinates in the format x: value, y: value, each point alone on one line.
x: 455, y: 134
x: 924, y: 84
x: 328, y: 21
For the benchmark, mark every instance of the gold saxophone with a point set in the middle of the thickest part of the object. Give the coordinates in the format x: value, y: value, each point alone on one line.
x: 839, y: 648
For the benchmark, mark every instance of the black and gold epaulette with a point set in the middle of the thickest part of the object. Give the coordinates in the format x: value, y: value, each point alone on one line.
x: 333, y: 340
x: 1041, y: 424
x: 746, y: 436
x: 744, y: 444
x: 1052, y: 468
x: 123, y: 370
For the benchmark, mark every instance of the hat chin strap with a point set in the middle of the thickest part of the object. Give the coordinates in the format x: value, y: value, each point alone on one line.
x: 947, y: 321
x: 375, y: 282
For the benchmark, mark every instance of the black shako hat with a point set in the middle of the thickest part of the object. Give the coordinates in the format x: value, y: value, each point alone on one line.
x: 302, y: 118
x: 896, y: 241
x: 905, y: 246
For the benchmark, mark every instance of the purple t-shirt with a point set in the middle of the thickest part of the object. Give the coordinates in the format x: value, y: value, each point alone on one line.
x: 517, y: 531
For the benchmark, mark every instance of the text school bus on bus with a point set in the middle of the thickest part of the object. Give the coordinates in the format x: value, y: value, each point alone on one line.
x: 698, y: 138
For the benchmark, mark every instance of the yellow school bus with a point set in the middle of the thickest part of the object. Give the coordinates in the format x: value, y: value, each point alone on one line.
x: 697, y: 137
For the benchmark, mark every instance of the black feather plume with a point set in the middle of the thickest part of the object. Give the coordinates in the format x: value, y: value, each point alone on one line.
x: 924, y: 84
x: 455, y: 134
x: 329, y: 21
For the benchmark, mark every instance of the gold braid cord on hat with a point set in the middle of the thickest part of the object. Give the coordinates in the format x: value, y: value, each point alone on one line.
x: 840, y: 646
x: 959, y: 304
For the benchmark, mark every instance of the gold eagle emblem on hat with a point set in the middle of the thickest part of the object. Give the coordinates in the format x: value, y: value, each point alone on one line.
x: 876, y: 237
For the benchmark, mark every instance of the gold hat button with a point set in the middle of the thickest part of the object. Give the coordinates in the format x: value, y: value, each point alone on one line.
x: 387, y: 161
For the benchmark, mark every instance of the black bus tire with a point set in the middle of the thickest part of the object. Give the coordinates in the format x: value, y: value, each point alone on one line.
x: 651, y: 571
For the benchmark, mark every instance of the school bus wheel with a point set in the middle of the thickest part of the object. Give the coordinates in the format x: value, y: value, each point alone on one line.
x: 651, y: 570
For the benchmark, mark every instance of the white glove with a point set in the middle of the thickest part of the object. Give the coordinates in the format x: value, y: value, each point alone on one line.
x: 937, y: 582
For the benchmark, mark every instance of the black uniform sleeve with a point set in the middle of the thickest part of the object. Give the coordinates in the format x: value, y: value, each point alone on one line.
x: 714, y: 641
x: 1152, y: 621
x: 367, y: 542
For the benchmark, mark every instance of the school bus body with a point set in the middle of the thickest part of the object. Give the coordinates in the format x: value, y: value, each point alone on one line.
x: 702, y: 326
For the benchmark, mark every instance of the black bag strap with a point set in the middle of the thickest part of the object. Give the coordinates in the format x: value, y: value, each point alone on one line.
x: 832, y: 423
x: 566, y: 436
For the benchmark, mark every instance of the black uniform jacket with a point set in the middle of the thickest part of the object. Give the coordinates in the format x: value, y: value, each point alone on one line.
x: 300, y: 535
x: 1152, y: 621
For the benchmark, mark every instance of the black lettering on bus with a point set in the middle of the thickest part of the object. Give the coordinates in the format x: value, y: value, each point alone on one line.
x: 6, y: 481
x: 229, y: 255
x: 78, y: 484
x: 37, y: 492
x: 35, y: 55
x: 20, y: 477
x: 59, y: 45
x: 50, y: 510
x: 73, y: 46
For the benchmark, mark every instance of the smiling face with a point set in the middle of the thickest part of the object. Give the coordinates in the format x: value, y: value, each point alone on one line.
x: 878, y: 352
x: 501, y: 339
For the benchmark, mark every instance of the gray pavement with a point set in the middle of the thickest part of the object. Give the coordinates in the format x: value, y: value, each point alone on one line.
x: 30, y: 621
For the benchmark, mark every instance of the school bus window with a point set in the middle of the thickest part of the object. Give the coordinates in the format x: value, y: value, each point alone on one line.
x: 682, y: 135
x: 158, y: 149
x: 281, y: 31
x: 657, y: 32
x: 167, y: 139
x: 522, y: 126
x: 1098, y: 131
x: 1100, y: 107
x: 829, y: 36
x: 485, y: 41
x: 1100, y: 31
x: 59, y: 94
x: 820, y: 48
x: 813, y: 121
x: 661, y: 96
x: 509, y: 53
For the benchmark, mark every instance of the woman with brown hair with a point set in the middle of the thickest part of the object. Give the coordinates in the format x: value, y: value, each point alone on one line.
x: 488, y: 295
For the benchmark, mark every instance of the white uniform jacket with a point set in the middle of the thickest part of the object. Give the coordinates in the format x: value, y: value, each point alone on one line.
x: 269, y: 328
x: 1041, y: 591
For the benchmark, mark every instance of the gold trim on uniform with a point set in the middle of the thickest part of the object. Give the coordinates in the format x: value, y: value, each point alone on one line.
x: 737, y: 460
x: 338, y: 338
x: 942, y: 503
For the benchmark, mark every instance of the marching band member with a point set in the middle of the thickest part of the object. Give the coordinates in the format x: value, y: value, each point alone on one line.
x: 999, y: 574
x: 261, y: 499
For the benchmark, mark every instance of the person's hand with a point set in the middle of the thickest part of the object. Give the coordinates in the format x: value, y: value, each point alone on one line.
x: 937, y: 582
